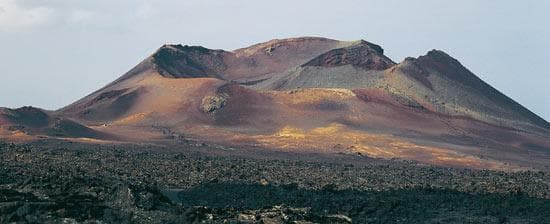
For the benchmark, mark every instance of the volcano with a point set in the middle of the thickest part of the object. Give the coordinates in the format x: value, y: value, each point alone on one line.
x: 306, y: 94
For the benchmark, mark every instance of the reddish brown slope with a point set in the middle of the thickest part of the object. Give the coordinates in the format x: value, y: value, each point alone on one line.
x: 177, y: 61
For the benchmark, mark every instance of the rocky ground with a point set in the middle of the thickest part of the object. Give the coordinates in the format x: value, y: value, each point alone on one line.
x: 54, y: 181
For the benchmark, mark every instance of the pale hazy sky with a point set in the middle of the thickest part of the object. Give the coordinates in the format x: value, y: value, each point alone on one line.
x: 53, y: 52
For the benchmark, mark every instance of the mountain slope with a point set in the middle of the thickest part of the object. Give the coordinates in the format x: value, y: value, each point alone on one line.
x: 27, y: 121
x: 452, y: 89
x: 319, y: 95
x: 177, y: 61
x: 357, y: 65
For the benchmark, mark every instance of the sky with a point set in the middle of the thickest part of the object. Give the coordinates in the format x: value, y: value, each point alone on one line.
x: 53, y: 52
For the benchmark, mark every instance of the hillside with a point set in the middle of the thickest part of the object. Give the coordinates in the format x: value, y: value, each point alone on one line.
x: 25, y: 122
x: 318, y: 95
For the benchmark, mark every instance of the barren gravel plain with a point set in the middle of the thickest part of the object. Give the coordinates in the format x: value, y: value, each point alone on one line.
x: 53, y: 181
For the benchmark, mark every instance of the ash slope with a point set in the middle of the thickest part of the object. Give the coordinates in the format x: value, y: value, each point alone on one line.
x: 320, y: 95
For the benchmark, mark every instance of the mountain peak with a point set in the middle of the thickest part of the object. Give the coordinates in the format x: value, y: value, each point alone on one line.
x: 274, y: 56
x: 360, y: 53
x: 287, y: 42
x: 184, y: 61
x: 436, y: 52
x: 484, y: 99
x: 180, y: 47
x: 375, y: 47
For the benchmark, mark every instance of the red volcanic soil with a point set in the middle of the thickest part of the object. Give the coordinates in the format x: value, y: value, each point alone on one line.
x: 276, y: 56
x: 243, y: 107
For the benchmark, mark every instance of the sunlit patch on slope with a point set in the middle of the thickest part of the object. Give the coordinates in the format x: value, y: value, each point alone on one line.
x: 337, y: 138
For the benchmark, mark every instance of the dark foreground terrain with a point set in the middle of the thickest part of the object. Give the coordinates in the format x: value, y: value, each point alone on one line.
x: 53, y: 182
